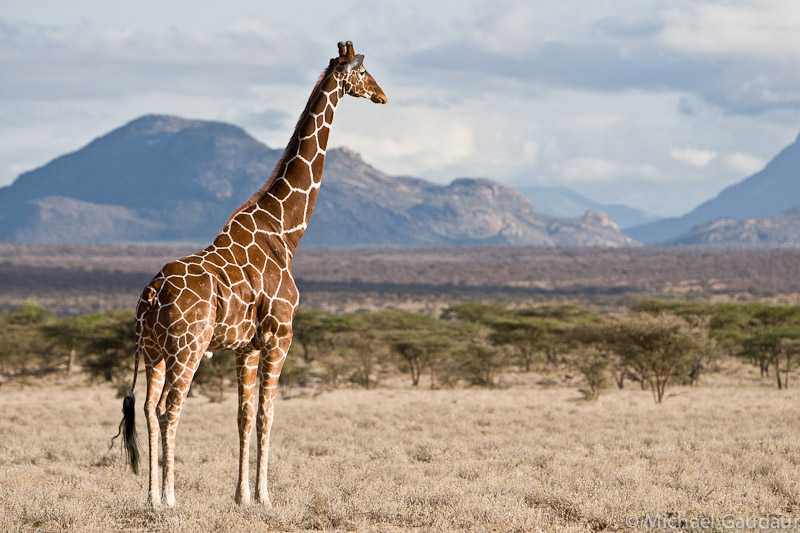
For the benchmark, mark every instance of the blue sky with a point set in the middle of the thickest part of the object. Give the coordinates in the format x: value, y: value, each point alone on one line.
x: 655, y: 104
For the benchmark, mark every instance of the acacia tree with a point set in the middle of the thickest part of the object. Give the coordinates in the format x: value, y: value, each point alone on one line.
x: 558, y: 319
x: 716, y: 320
x: 707, y: 349
x: 365, y: 353
x: 213, y: 372
x: 71, y: 335
x: 309, y: 329
x: 424, y: 350
x: 356, y: 349
x: 790, y: 352
x: 109, y: 353
x: 596, y: 341
x: 28, y: 314
x: 593, y: 364
x: 420, y: 341
x: 758, y: 332
x: 656, y: 346
x: 480, y: 360
x: 526, y: 334
x: 333, y: 357
x: 412, y: 351
x: 766, y: 345
x: 23, y: 350
x: 295, y: 371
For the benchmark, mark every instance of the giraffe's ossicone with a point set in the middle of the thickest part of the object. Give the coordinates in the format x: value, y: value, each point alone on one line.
x: 238, y: 294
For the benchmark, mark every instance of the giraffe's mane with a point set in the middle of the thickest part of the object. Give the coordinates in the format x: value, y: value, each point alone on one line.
x: 259, y: 194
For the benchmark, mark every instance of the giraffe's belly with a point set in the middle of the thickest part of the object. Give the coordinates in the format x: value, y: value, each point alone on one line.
x: 232, y: 336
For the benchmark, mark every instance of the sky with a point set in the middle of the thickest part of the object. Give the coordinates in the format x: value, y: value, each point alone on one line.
x: 658, y: 105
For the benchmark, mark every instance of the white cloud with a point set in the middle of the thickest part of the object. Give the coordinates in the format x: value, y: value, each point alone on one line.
x: 745, y: 163
x: 599, y: 123
x: 597, y: 170
x: 692, y: 156
x: 765, y: 29
x: 530, y: 150
x: 509, y: 28
x: 589, y: 169
x: 405, y: 140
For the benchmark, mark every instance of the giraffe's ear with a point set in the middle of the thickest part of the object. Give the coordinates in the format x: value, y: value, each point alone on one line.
x: 356, y: 61
x: 351, y: 65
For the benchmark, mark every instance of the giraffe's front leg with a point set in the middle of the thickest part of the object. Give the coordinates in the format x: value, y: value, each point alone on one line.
x: 271, y: 366
x: 246, y: 371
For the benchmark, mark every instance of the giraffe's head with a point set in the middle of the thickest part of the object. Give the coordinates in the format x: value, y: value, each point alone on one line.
x: 356, y: 80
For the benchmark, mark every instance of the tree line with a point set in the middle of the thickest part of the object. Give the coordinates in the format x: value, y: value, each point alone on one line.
x: 652, y: 344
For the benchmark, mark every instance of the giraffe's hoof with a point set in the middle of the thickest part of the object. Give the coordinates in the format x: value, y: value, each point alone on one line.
x: 264, y: 501
x: 242, y: 498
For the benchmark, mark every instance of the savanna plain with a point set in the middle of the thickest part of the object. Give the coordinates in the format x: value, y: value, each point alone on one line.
x: 529, y: 450
x: 517, y: 459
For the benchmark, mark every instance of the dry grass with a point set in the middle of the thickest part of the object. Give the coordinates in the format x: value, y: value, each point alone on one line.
x: 504, y: 460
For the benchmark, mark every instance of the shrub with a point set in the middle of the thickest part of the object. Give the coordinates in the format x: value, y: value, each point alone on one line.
x: 214, y: 372
x: 593, y: 364
x: 654, y: 347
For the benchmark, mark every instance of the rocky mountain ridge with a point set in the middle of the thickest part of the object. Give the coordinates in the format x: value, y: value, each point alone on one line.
x: 165, y: 179
x: 779, y: 231
x: 563, y: 202
x: 768, y: 192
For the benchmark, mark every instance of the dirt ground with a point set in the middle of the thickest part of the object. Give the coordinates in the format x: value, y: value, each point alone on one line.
x: 518, y: 459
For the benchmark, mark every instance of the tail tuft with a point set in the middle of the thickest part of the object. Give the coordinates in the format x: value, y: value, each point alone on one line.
x: 127, y: 427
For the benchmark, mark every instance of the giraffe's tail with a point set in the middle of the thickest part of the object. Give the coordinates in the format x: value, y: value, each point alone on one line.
x: 127, y: 427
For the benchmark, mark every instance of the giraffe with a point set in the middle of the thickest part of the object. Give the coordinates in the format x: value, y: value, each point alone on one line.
x: 237, y: 294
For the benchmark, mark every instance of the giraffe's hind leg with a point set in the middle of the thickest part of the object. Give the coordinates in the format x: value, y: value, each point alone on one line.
x: 246, y: 372
x: 161, y: 411
x: 179, y: 376
x: 155, y: 383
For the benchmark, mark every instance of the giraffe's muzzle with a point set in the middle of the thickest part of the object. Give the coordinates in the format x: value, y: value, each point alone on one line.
x: 379, y: 97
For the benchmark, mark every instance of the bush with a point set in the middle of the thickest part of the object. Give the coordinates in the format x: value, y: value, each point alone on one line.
x: 110, y: 352
x: 655, y: 347
x: 593, y: 364
x: 214, y: 373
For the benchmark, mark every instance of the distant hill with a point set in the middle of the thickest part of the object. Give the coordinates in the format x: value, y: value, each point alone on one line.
x: 359, y: 205
x: 564, y: 202
x: 156, y: 179
x: 164, y: 179
x: 769, y: 192
x: 779, y: 231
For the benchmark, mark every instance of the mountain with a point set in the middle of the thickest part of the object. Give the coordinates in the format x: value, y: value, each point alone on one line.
x: 156, y: 179
x: 773, y: 190
x: 360, y: 205
x: 779, y: 231
x: 168, y: 179
x: 564, y: 202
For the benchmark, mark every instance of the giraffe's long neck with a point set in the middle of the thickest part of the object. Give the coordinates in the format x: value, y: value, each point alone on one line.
x: 293, y: 192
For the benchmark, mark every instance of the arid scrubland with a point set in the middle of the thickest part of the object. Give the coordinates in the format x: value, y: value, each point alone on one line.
x: 524, y: 458
x: 80, y: 279
x: 523, y: 452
